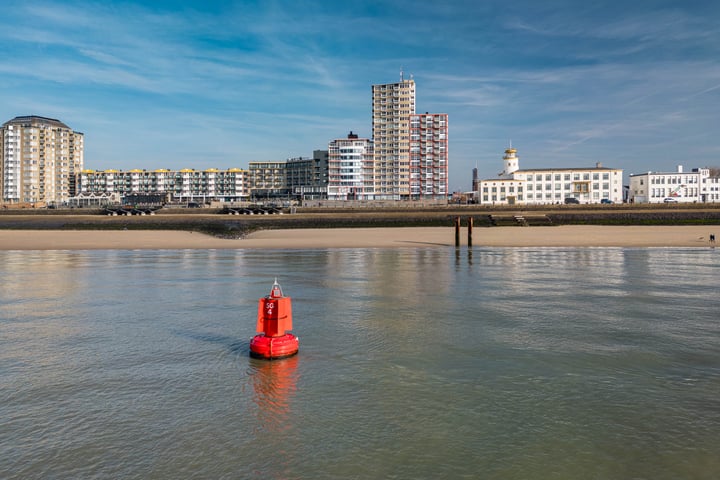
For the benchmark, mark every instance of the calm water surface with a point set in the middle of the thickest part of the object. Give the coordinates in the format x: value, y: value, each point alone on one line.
x: 542, y: 363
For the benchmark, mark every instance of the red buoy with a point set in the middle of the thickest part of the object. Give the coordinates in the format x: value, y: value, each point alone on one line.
x: 274, y: 318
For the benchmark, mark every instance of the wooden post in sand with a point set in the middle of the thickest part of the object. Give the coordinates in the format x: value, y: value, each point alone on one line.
x: 470, y: 225
x: 457, y: 231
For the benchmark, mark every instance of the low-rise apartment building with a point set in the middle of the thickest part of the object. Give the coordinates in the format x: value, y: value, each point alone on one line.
x: 186, y: 185
x: 675, y: 187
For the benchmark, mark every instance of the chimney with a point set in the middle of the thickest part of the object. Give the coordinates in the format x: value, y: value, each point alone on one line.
x: 598, y: 165
x: 679, y: 169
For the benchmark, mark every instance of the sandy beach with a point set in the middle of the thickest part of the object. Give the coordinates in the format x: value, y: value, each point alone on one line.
x: 424, y: 237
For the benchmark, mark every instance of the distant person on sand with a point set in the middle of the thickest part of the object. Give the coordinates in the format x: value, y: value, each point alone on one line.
x: 712, y: 238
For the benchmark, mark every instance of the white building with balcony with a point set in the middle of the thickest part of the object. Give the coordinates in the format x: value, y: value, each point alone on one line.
x: 429, y: 156
x: 39, y: 160
x: 179, y: 185
x: 350, y: 169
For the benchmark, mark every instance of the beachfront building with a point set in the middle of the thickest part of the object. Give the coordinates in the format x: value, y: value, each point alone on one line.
x: 186, y: 185
x: 674, y: 187
x: 350, y: 169
x: 710, y: 189
x: 392, y: 106
x: 550, y: 185
x: 307, y: 178
x: 39, y: 160
x: 268, y: 180
x: 294, y: 178
x: 410, y: 151
x: 428, y: 156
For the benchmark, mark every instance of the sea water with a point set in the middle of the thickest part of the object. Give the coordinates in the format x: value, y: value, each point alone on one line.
x: 499, y: 363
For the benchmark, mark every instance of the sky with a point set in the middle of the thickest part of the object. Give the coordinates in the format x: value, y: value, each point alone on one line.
x: 219, y: 84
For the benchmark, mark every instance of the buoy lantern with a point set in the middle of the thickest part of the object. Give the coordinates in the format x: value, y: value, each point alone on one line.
x: 274, y: 319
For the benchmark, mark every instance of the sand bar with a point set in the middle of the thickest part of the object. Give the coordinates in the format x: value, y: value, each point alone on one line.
x: 413, y: 237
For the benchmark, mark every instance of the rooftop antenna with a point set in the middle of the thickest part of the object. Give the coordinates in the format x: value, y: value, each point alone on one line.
x: 401, y: 74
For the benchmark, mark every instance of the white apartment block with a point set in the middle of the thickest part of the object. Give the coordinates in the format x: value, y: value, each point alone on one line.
x: 393, y: 104
x: 39, y: 160
x: 179, y: 185
x: 679, y: 186
x: 351, y: 169
x: 710, y: 190
x: 429, y: 155
x: 550, y: 185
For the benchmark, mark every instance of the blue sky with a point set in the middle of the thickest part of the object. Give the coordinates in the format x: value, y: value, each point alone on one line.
x: 200, y: 84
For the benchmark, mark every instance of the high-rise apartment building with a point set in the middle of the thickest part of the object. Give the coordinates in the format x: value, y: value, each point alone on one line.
x: 393, y: 103
x: 428, y: 155
x: 39, y: 159
x: 350, y: 169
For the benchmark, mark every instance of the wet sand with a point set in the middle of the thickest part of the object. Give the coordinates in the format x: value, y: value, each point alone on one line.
x: 413, y: 237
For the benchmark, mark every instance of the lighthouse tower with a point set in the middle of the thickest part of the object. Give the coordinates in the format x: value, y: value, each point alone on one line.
x: 510, y: 162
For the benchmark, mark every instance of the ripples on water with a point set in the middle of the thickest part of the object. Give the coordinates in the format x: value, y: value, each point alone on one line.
x: 419, y: 363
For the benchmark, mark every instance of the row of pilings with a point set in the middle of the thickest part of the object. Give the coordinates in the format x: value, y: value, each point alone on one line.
x: 469, y: 231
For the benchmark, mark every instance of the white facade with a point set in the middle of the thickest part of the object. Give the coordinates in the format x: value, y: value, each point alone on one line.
x: 39, y: 159
x: 550, y: 185
x: 710, y: 189
x: 186, y: 184
x: 350, y: 169
x: 678, y: 186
